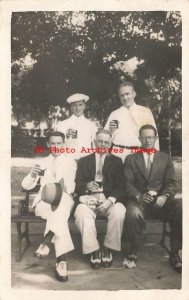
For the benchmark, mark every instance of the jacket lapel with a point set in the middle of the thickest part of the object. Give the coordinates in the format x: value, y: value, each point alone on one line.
x: 141, y: 164
x: 154, y: 165
x: 107, y: 162
x: 92, y: 165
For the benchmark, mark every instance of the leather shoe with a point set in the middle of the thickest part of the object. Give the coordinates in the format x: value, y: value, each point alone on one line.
x: 61, y: 273
x: 175, y: 262
x: 107, y: 259
x: 95, y: 260
x: 132, y: 257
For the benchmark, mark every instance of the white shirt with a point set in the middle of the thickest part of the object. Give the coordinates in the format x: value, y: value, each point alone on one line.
x: 130, y: 121
x: 64, y: 167
x: 86, y: 131
x: 146, y: 156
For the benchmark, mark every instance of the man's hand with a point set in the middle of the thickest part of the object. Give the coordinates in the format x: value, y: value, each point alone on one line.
x: 92, y: 186
x: 161, y: 200
x: 36, y: 170
x: 112, y: 126
x: 70, y: 133
x: 147, y: 198
x: 102, y: 208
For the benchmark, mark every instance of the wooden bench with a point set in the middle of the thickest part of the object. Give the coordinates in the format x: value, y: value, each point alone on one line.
x: 25, y: 217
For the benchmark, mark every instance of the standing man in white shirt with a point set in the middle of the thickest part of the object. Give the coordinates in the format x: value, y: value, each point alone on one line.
x: 79, y: 131
x: 125, y: 122
x: 53, y: 169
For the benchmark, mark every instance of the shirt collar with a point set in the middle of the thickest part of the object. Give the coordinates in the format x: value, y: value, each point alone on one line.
x: 146, y: 155
x: 82, y: 117
x: 61, y: 156
x: 98, y: 156
x: 130, y: 108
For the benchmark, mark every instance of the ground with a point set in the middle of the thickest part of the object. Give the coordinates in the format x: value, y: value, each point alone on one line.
x: 152, y: 271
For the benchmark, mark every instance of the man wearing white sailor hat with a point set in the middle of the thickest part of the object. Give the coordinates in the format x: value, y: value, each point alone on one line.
x: 79, y: 131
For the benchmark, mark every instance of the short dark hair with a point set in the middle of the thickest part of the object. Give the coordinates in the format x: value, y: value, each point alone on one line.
x: 104, y: 131
x: 56, y: 133
x: 127, y: 83
x: 148, y: 126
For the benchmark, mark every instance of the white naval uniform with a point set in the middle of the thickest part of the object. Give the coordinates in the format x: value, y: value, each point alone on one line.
x: 57, y: 221
x: 86, y: 131
x: 130, y: 121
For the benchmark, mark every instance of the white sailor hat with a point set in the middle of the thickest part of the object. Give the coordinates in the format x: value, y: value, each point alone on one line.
x: 77, y: 97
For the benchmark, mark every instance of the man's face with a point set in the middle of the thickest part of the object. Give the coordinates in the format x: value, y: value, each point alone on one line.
x: 78, y: 107
x: 127, y: 95
x: 55, y: 141
x: 147, y: 138
x: 103, y: 140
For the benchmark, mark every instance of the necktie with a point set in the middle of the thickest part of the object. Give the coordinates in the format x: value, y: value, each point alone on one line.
x: 134, y: 126
x: 99, y: 170
x: 149, y: 165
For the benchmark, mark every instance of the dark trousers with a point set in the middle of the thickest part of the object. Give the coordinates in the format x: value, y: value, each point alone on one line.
x: 135, y: 223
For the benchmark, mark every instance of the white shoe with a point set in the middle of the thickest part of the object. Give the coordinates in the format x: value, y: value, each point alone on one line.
x: 107, y: 261
x: 95, y: 262
x: 129, y: 264
x: 42, y: 251
x: 61, y: 272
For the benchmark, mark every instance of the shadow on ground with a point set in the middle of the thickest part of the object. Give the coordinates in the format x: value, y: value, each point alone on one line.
x: 152, y: 271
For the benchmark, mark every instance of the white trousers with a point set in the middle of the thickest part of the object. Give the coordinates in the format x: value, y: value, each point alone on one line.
x: 57, y: 222
x: 85, y: 222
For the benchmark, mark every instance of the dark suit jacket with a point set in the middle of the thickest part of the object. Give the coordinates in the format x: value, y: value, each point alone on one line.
x: 113, y: 176
x: 161, y: 178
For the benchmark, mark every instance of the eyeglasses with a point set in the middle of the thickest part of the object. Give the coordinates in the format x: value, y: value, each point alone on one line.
x: 151, y: 138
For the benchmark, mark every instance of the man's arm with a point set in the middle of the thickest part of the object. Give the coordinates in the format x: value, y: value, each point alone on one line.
x: 150, y: 120
x: 94, y: 130
x: 108, y: 122
x: 170, y: 183
x: 80, y: 181
x: 131, y: 191
x: 30, y: 181
x: 118, y: 191
x: 71, y: 167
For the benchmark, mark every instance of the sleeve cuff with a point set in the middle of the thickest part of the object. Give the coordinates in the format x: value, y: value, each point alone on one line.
x: 112, y: 199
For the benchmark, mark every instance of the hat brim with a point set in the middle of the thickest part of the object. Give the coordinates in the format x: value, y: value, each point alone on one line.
x: 77, y: 97
x: 52, y: 194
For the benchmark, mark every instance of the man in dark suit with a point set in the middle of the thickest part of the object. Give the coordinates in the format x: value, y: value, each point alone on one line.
x: 150, y: 189
x: 100, y: 187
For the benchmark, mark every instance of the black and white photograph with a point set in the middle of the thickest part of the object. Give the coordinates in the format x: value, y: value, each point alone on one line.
x: 96, y: 197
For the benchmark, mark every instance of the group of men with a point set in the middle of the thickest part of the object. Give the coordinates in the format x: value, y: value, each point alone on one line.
x: 122, y: 187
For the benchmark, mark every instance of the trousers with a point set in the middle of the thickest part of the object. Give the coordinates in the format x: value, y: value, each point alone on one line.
x: 57, y: 222
x: 85, y: 222
x: 135, y: 223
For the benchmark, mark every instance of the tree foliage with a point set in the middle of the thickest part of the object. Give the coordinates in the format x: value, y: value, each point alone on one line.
x: 86, y: 52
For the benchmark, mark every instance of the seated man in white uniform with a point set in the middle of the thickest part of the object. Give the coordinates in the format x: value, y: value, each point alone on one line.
x: 125, y: 122
x: 79, y: 131
x: 56, y: 167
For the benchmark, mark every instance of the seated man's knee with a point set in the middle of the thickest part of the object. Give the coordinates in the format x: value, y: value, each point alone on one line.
x: 42, y: 210
x: 133, y: 212
x: 119, y: 210
x: 81, y: 210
